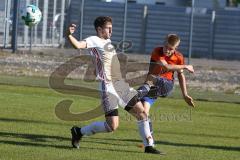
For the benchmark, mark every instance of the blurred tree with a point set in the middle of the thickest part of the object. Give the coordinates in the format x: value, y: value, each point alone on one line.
x: 232, y: 3
x: 238, y: 2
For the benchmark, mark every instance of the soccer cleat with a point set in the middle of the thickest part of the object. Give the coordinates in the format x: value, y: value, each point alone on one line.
x: 143, y: 91
x: 76, y: 136
x: 152, y: 150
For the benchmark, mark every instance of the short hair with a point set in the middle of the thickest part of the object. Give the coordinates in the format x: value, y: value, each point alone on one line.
x: 101, y: 21
x: 172, y: 39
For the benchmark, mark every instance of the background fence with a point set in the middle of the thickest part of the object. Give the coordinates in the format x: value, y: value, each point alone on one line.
x: 49, y: 32
x: 216, y: 33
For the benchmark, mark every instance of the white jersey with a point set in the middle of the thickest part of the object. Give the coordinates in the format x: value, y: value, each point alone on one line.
x: 105, y: 58
x: 114, y: 90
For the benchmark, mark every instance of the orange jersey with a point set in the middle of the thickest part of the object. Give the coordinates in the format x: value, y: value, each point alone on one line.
x: 175, y: 59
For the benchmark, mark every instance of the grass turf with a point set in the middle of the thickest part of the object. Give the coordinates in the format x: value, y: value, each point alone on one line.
x: 29, y: 129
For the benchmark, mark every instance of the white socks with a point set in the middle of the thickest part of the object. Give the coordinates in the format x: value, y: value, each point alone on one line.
x: 101, y: 127
x: 144, y: 130
x: 95, y: 127
x: 150, y: 126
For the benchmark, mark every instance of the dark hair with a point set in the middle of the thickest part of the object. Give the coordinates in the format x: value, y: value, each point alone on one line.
x: 101, y: 21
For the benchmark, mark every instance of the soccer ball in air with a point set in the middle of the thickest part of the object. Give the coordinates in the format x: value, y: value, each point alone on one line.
x: 31, y: 15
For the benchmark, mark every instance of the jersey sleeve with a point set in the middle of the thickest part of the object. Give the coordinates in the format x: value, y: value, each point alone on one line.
x: 181, y: 59
x: 156, y: 56
x: 90, y: 42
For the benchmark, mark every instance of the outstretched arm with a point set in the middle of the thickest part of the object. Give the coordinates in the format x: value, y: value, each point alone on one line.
x: 75, y: 43
x: 178, y: 68
x: 182, y: 83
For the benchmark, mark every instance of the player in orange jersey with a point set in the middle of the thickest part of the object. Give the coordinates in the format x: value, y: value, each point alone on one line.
x: 164, y: 62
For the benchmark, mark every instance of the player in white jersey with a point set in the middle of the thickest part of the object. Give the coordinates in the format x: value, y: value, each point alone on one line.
x: 114, y: 90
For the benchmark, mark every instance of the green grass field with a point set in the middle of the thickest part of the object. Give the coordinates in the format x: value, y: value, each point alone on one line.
x: 31, y: 130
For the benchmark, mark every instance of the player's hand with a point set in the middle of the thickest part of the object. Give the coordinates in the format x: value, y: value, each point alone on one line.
x: 71, y: 29
x: 190, y: 68
x: 189, y: 100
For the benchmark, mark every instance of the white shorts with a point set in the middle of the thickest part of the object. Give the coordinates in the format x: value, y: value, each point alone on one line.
x: 114, y: 94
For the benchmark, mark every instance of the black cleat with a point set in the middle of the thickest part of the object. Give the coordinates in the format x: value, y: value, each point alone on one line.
x: 76, y: 136
x: 152, y: 150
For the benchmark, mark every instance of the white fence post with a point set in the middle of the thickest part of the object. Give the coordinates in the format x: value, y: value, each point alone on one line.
x: 45, y: 17
x: 62, y: 22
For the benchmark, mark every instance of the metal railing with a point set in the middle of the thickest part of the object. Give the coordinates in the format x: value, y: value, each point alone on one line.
x: 213, y: 34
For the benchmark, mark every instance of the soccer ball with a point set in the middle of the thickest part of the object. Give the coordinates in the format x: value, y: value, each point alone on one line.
x: 31, y: 15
